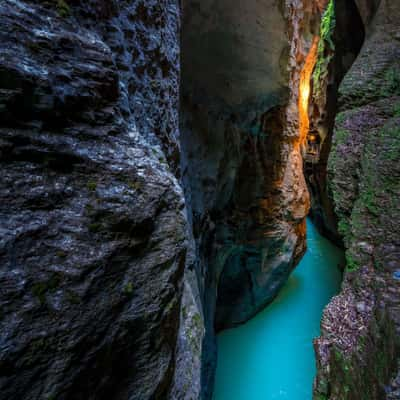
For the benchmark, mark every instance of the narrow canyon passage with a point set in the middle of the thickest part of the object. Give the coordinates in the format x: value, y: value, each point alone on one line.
x: 271, y: 356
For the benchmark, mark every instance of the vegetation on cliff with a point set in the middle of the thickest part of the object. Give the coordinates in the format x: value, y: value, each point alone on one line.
x: 326, y: 46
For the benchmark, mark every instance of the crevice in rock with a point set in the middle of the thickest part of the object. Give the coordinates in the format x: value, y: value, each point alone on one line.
x: 348, y: 38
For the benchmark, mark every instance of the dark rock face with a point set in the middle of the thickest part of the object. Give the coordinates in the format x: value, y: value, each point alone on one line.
x: 363, y: 178
x: 93, y: 234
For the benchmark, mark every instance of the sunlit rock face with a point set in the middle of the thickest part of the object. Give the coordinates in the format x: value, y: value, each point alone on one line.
x: 363, y: 180
x: 93, y: 240
x: 242, y: 160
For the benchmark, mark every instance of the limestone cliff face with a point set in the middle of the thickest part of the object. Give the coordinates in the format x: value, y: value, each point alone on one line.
x: 93, y: 233
x: 358, y: 350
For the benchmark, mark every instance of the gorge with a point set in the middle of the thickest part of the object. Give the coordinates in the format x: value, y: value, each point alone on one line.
x: 158, y: 161
x: 272, y: 355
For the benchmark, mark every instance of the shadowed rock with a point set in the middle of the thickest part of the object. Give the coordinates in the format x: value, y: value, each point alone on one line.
x: 92, y: 246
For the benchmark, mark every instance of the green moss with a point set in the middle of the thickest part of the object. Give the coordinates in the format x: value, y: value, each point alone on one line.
x: 325, y: 47
x: 377, y: 187
x: 328, y: 24
x: 361, y: 342
x: 340, y: 118
x: 369, y: 200
x: 91, y: 185
x: 197, y: 321
x: 40, y: 289
x: 169, y: 307
x: 369, y: 184
x: 61, y: 254
x: 89, y: 208
x: 63, y: 9
x: 392, y: 136
x: 128, y: 289
x: 396, y: 109
x: 351, y: 263
x: 72, y: 297
x: 391, y: 84
x: 135, y: 185
x: 184, y: 312
x: 341, y: 135
x: 94, y: 227
x: 54, y: 281
x: 344, y: 230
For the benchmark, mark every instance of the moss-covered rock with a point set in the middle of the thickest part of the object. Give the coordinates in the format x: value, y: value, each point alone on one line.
x: 358, y: 350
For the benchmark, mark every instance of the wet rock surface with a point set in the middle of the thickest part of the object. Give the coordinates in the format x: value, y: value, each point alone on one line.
x: 93, y: 232
x: 362, y: 326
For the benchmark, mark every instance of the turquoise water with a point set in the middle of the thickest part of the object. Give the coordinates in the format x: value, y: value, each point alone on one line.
x: 272, y: 356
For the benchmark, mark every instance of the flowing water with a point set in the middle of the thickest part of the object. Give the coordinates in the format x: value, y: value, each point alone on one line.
x: 271, y: 356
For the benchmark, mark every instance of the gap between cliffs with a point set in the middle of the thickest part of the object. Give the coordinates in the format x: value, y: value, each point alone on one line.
x: 247, y: 113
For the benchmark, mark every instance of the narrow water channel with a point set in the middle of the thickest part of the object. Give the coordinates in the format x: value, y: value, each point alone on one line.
x: 271, y: 356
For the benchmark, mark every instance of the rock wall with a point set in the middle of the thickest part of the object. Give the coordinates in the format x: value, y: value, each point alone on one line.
x: 125, y: 244
x: 359, y: 347
x: 93, y: 229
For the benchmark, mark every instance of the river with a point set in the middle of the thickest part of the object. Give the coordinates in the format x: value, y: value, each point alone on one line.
x: 271, y: 356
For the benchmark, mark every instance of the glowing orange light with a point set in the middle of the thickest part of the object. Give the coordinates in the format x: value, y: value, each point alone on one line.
x: 305, y: 89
